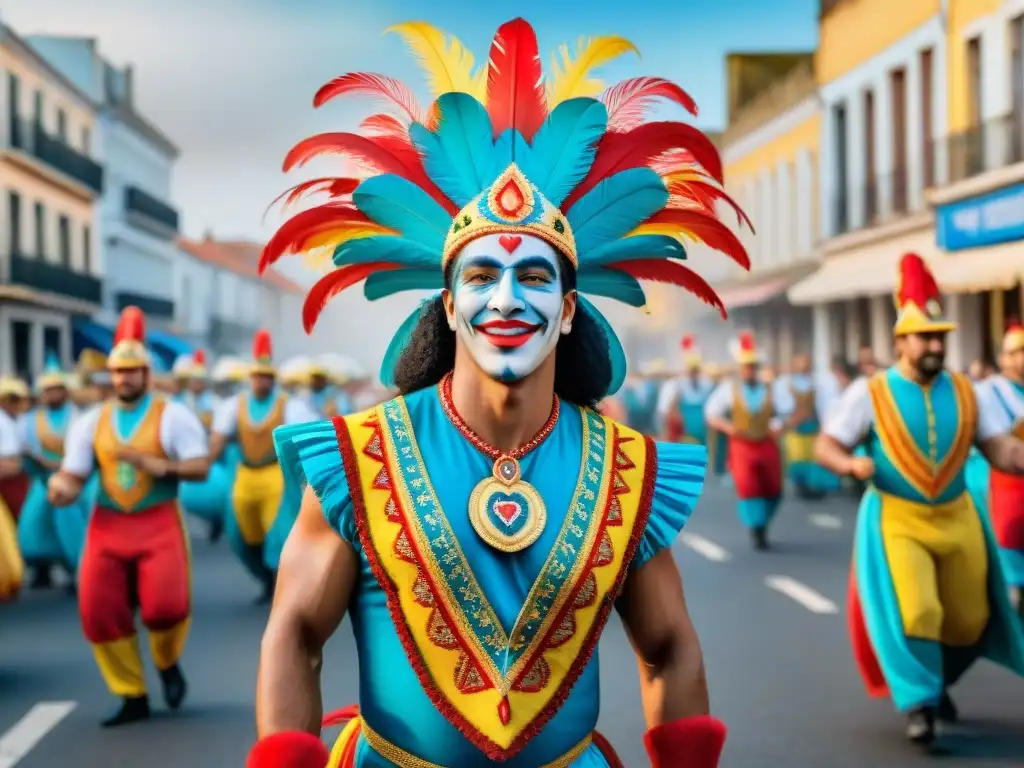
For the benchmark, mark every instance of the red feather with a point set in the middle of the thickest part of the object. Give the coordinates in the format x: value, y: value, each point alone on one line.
x: 262, y: 347
x: 917, y: 284
x: 515, y: 77
x: 708, y: 194
x: 333, y: 283
x: 384, y: 154
x: 131, y: 326
x: 665, y: 271
x: 673, y: 161
x: 291, y: 235
x: 199, y: 357
x: 1013, y: 325
x: 384, y: 125
x: 688, y: 342
x: 637, y: 148
x: 746, y: 341
x: 334, y: 187
x: 397, y: 93
x: 628, y: 101
x: 707, y: 229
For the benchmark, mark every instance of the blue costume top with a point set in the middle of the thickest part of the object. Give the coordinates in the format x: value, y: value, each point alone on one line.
x: 692, y: 398
x: 410, y: 446
x: 330, y: 402
x: 641, y: 403
x: 802, y: 386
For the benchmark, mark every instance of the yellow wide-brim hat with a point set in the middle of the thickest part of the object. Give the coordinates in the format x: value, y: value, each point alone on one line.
x: 12, y: 387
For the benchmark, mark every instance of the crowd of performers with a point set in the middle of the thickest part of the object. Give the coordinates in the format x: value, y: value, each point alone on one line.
x: 98, y: 464
x: 480, y: 527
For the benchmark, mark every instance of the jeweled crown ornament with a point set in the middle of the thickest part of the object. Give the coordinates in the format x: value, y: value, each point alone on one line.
x: 918, y: 301
x: 504, y: 149
x: 129, y: 349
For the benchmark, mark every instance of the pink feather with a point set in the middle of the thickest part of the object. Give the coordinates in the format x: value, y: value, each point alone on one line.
x: 394, y: 92
x: 629, y: 101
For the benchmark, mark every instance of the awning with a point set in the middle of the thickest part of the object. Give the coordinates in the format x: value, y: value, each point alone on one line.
x: 994, y: 267
x: 752, y: 292
x: 89, y: 335
x: 867, y: 271
x: 164, y: 346
x: 168, y: 344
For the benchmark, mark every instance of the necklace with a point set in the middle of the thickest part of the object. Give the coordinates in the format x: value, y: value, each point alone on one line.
x: 505, y: 510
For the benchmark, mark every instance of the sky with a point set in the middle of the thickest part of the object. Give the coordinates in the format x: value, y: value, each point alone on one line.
x: 231, y: 81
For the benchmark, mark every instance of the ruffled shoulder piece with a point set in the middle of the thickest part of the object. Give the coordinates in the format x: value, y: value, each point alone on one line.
x: 309, y: 454
x: 678, y: 481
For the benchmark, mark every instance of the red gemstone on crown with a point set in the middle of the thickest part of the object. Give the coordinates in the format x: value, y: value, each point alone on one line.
x: 511, y: 198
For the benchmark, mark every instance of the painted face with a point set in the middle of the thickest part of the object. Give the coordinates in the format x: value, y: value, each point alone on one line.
x: 507, y: 297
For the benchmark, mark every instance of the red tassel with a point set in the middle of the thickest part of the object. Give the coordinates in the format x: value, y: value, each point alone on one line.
x: 333, y: 283
x: 289, y: 749
x: 515, y: 81
x: 664, y: 271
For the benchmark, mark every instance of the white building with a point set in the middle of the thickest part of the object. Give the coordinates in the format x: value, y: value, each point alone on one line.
x: 138, y: 226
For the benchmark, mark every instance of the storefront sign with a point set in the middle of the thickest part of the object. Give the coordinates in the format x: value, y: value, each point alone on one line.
x: 997, y: 217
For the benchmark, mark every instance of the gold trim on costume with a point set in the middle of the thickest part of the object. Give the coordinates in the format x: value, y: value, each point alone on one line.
x: 126, y: 486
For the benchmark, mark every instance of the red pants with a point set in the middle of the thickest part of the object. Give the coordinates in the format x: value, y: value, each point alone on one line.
x: 13, y: 491
x: 140, y: 559
x: 756, y: 467
x: 1007, y: 509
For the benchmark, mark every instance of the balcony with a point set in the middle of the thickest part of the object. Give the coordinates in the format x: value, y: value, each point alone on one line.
x: 230, y: 334
x: 153, y: 306
x: 986, y: 147
x: 150, y: 214
x: 883, y: 199
x: 40, y: 275
x: 30, y: 138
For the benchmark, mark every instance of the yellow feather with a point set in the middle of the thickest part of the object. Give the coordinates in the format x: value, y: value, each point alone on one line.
x: 681, y: 234
x: 691, y: 174
x: 570, y: 75
x: 447, y: 63
x: 335, y: 237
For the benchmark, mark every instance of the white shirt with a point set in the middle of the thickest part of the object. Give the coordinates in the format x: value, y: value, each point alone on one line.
x: 10, y: 439
x: 1003, y: 398
x: 181, y: 436
x: 854, y: 415
x: 225, y: 418
x: 719, y: 405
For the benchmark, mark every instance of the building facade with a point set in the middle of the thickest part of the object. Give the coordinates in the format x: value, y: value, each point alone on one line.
x: 138, y: 225
x: 51, y: 267
x: 770, y: 152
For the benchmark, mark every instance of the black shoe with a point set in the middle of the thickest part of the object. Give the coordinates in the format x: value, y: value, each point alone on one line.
x: 947, y: 711
x: 132, y: 710
x: 175, y: 686
x: 921, y: 726
x: 759, y: 538
x: 216, y: 531
x: 42, y: 577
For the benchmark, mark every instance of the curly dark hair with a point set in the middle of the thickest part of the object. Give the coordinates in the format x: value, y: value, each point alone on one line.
x: 583, y: 369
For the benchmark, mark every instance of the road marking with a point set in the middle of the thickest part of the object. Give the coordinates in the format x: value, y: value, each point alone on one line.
x: 801, y: 593
x: 31, y: 729
x: 705, y: 548
x: 826, y: 521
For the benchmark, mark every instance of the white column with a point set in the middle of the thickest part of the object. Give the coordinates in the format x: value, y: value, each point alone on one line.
x: 785, y: 334
x: 915, y: 149
x: 856, y: 146
x: 881, y: 333
x: 883, y: 133
x: 821, y: 340
x: 825, y: 169
x: 6, y: 351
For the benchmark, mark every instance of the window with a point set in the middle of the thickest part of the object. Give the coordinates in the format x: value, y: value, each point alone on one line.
x: 1017, y: 79
x: 52, y: 338
x: 64, y: 228
x: 870, y: 182
x: 21, y: 345
x: 927, y: 141
x: 87, y: 249
x: 37, y: 108
x: 840, y: 221
x: 62, y: 125
x: 974, y: 82
x: 14, y: 100
x: 86, y: 140
x: 14, y: 216
x: 40, y: 230
x: 898, y: 93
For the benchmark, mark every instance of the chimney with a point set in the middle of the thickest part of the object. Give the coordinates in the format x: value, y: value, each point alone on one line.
x: 129, y: 85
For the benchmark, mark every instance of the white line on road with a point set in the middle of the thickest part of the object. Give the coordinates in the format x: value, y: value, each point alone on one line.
x: 826, y: 521
x: 801, y: 593
x: 705, y: 548
x: 31, y: 729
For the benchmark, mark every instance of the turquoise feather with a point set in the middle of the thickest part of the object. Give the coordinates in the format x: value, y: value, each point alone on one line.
x: 458, y: 156
x: 564, y: 147
x: 636, y: 247
x: 616, y: 355
x: 381, y: 284
x: 612, y: 285
x: 52, y: 362
x: 615, y: 206
x: 398, y: 204
x: 399, y: 342
x: 401, y: 250
x: 510, y: 148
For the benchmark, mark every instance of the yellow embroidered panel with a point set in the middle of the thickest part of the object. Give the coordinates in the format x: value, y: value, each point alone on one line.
x: 256, y: 438
x: 753, y: 426
x: 125, y: 485
x: 451, y: 634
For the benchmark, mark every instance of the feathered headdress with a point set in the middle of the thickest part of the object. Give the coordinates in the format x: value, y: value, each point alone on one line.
x: 691, y: 355
x: 182, y: 367
x: 229, y: 370
x: 744, y: 349
x: 504, y: 149
x: 918, y: 301
x: 1013, y: 341
x: 263, y: 353
x: 198, y: 369
x: 129, y: 341
x: 53, y: 373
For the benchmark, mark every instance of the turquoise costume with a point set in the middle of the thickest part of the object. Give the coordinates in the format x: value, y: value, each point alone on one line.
x: 693, y: 396
x: 392, y: 698
x: 901, y: 642
x: 330, y: 402
x: 208, y: 499
x: 809, y: 477
x: 47, y: 533
x: 641, y: 403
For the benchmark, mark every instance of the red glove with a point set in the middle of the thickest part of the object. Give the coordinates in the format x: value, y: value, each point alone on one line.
x: 690, y: 742
x: 289, y: 749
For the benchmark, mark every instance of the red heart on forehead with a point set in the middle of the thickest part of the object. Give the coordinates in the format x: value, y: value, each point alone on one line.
x: 510, y: 242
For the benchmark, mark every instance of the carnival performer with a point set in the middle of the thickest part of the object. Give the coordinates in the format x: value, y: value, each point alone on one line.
x: 640, y: 397
x: 810, y: 479
x: 136, y: 548
x: 49, y: 534
x: 206, y: 500
x: 250, y: 419
x: 294, y: 375
x: 746, y: 411
x: 1006, y: 498
x: 683, y: 398
x: 718, y: 442
x: 14, y: 401
x: 12, y: 568
x: 926, y: 597
x: 326, y: 398
x: 491, y: 472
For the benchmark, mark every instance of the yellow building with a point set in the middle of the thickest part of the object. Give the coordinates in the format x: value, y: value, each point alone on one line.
x: 49, y: 186
x: 770, y: 155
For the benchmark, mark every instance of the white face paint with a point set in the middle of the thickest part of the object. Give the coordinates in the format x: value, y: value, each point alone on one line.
x: 507, y: 297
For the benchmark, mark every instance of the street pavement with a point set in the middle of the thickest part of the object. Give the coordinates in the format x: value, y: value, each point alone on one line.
x: 772, y: 627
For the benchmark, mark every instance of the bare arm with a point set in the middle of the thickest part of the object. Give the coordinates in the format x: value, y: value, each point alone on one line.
x: 217, y: 444
x: 1005, y: 453
x: 653, y: 609
x: 833, y: 455
x: 317, y: 574
x: 10, y: 466
x: 63, y: 488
